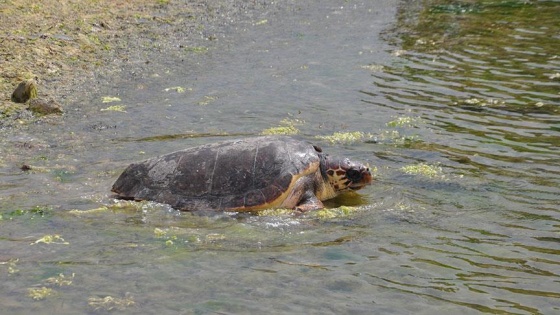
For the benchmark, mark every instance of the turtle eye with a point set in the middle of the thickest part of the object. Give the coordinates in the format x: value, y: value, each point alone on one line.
x: 353, y: 175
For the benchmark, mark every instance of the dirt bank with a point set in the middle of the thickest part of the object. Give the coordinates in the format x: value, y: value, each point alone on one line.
x: 62, y: 45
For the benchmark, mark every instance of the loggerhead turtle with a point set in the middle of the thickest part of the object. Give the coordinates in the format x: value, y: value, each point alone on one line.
x: 243, y: 175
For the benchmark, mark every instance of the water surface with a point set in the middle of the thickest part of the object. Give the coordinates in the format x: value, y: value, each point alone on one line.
x: 458, y: 103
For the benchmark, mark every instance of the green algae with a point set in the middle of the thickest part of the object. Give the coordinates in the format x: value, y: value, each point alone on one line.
x: 206, y: 100
x: 60, y: 280
x: 423, y: 169
x: 346, y: 137
x: 178, y: 89
x: 110, y: 99
x: 12, y: 265
x: 280, y: 130
x: 331, y: 213
x: 40, y: 293
x: 276, y: 212
x: 51, y: 239
x: 31, y: 213
x: 124, y: 206
x: 287, y: 126
x: 115, y: 108
x: 110, y: 303
x: 261, y: 22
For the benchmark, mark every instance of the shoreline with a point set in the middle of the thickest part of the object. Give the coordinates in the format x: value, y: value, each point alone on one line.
x: 64, y: 46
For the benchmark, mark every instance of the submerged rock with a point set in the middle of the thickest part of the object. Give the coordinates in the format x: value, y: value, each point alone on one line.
x: 44, y: 106
x: 25, y: 91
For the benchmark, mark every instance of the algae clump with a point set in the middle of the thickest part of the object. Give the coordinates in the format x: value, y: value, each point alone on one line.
x: 346, y: 137
x: 287, y: 127
x: 423, y: 169
x: 60, y: 280
x: 110, y: 99
x: 40, y: 293
x: 280, y: 130
x: 109, y: 303
x: 115, y: 108
x: 341, y: 211
x: 51, y: 239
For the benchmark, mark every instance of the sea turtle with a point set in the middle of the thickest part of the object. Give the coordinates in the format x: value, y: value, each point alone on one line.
x: 243, y: 175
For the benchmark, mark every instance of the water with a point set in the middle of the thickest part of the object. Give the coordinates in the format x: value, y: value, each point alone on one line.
x: 466, y: 94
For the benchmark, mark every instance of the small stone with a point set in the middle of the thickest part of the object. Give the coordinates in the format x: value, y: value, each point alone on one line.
x: 44, y: 106
x: 25, y: 91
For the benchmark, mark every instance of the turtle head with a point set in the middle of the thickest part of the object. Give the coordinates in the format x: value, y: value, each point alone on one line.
x: 343, y: 174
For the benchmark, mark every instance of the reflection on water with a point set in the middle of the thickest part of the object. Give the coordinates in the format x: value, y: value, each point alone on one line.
x: 461, y: 100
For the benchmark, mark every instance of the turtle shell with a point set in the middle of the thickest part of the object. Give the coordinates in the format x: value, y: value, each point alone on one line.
x: 241, y: 175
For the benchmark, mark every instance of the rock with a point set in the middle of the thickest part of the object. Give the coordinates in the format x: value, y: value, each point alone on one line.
x: 44, y: 106
x: 25, y: 91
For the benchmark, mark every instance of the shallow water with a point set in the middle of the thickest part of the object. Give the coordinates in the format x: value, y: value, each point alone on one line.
x: 468, y: 95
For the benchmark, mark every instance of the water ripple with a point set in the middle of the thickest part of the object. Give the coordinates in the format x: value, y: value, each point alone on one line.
x: 486, y: 90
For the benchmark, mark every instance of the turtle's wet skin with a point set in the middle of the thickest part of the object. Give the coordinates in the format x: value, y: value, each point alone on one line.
x: 243, y: 175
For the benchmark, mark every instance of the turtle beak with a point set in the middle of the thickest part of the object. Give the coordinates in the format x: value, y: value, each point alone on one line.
x: 359, y: 178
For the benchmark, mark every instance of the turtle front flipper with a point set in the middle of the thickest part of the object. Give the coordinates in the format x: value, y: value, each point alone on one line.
x: 308, y: 203
x: 302, y: 196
